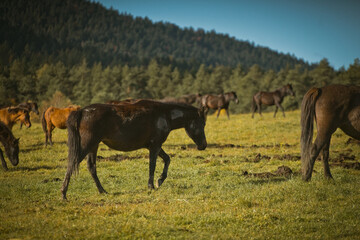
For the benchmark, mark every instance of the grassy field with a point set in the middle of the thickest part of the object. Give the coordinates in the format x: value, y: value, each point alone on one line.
x: 228, y: 191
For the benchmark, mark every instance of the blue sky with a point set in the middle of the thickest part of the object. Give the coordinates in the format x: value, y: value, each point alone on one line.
x: 309, y: 29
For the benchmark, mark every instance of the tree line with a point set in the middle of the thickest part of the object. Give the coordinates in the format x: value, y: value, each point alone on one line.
x: 84, y: 84
x: 67, y: 31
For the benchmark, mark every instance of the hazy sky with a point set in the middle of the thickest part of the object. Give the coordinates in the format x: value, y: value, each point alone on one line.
x: 309, y: 29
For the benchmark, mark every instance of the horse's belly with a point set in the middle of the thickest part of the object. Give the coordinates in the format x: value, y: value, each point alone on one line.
x: 124, y: 146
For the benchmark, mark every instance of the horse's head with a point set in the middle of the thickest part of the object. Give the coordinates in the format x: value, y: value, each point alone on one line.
x: 25, y: 117
x: 13, y: 151
x: 233, y: 96
x: 21, y: 114
x: 195, y: 130
x: 289, y: 90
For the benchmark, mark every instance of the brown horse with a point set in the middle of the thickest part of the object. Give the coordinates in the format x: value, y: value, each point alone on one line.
x: 272, y: 98
x: 9, y: 116
x: 186, y: 99
x: 55, y: 117
x: 334, y: 106
x: 128, y: 127
x: 11, y: 145
x: 30, y: 106
x: 218, y: 102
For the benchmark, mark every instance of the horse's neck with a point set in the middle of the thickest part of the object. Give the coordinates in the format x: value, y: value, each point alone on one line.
x: 281, y: 92
x: 178, y: 118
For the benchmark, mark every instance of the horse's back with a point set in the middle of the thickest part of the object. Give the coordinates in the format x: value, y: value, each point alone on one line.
x: 338, y: 101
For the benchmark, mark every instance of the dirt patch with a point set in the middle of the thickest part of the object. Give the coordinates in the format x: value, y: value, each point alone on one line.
x: 345, y: 160
x: 287, y: 157
x: 282, y: 171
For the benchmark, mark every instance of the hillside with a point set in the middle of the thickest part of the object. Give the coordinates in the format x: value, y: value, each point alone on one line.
x: 68, y: 31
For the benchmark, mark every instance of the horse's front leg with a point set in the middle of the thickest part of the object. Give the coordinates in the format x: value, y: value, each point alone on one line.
x: 218, y: 113
x: 3, y: 160
x: 154, y: 152
x: 276, y: 109
x: 282, y: 109
x: 91, y: 164
x: 166, y: 159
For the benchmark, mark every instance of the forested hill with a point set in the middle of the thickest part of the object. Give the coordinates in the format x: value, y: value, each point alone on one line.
x: 72, y: 30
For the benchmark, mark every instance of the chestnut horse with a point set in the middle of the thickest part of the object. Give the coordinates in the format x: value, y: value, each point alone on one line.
x: 9, y: 116
x: 128, y: 127
x: 332, y: 107
x: 11, y: 145
x: 218, y: 102
x: 30, y: 106
x: 271, y: 98
x: 55, y: 117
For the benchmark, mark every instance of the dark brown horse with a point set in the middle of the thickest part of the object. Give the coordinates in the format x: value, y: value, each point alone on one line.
x: 271, y: 98
x: 186, y: 99
x: 128, y: 127
x: 30, y: 106
x: 9, y: 116
x: 55, y: 117
x: 11, y: 145
x: 218, y: 102
x: 334, y: 106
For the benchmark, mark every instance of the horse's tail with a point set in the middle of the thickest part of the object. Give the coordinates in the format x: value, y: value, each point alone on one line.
x: 307, y: 123
x: 43, y: 121
x: 74, y: 157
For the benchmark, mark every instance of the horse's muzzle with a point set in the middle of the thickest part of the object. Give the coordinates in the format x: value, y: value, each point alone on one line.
x: 202, y: 146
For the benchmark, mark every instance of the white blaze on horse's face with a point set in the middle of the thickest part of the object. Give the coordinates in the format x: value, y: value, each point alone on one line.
x: 162, y: 124
x: 175, y: 114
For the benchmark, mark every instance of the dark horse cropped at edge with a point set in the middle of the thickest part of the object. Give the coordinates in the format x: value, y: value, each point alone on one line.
x: 332, y: 107
x: 127, y: 127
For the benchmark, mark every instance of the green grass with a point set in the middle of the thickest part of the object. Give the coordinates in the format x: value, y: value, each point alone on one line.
x: 206, y: 195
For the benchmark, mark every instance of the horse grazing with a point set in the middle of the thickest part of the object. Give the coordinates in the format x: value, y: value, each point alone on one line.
x: 218, y: 102
x: 30, y: 106
x: 11, y: 145
x: 186, y: 99
x: 271, y: 98
x: 332, y: 107
x: 55, y: 117
x: 9, y: 116
x: 128, y: 127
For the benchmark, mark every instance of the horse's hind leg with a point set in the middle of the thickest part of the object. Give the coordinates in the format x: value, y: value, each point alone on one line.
x: 166, y: 159
x: 91, y: 164
x: 3, y: 160
x: 325, y: 160
x: 254, y: 110
x: 320, y: 142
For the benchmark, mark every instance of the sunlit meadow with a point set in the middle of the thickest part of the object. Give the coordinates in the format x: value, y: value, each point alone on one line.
x: 229, y: 191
